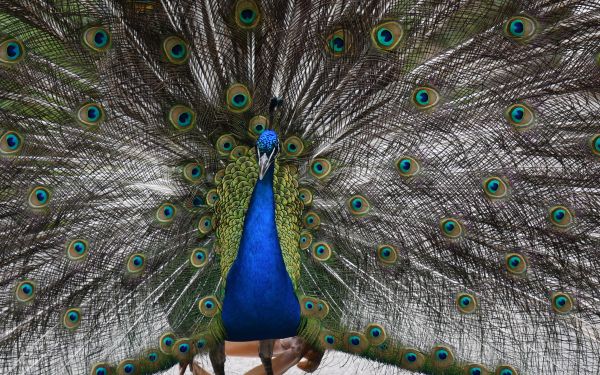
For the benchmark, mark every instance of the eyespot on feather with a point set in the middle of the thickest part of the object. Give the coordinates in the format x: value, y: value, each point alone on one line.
x: 466, y: 303
x: 209, y: 306
x: 247, y: 14
x: 257, y: 125
x: 425, y: 97
x: 205, y: 225
x: 199, y: 257
x: 506, y: 370
x: 442, y: 357
x: 311, y: 220
x: 520, y: 116
x: 306, y: 196
x: 520, y: 28
x: 97, y: 38
x: 495, y: 187
x: 515, y: 263
x: 77, y: 249
x: 562, y: 303
x: 225, y: 144
x: 39, y: 197
x: 25, y: 291
x: 11, y: 143
x: 412, y: 359
x: 293, y: 146
x: 338, y: 43
x: 102, y: 368
x: 175, y: 50
x: 12, y: 51
x: 182, y: 118
x: 305, y: 240
x: 375, y: 333
x: 387, y: 254
x: 90, y: 115
x: 358, y: 205
x: 451, y: 228
x: 561, y: 217
x: 239, y: 99
x: 321, y: 251
x: 193, y: 172
x: 167, y: 342
x: 72, y: 318
x: 407, y: 166
x: 355, y: 342
x: 320, y: 168
x: 136, y: 263
x: 387, y: 35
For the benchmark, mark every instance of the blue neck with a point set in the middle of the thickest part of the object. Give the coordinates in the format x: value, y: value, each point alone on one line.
x: 260, y: 302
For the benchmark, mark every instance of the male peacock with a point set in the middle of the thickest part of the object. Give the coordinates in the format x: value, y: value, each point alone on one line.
x: 414, y: 182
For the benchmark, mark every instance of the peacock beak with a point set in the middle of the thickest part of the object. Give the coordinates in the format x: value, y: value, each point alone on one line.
x: 264, y: 162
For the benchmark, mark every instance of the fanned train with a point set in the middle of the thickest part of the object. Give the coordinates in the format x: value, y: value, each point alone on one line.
x: 413, y: 182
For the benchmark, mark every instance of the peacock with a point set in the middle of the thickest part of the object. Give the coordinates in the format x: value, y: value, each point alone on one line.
x: 414, y: 182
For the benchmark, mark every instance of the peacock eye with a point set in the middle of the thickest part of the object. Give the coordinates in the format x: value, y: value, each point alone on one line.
x: 152, y: 356
x: 425, y: 97
x: 205, y: 225
x: 201, y: 344
x: 257, y: 125
x: 412, y: 359
x: 199, y: 257
x: 293, y: 146
x: 25, y: 291
x: 101, y: 369
x: 330, y: 339
x: 387, y: 254
x: 97, y: 39
x: 561, y: 216
x: 165, y: 213
x: 225, y: 144
x: 175, y: 50
x: 247, y: 14
x: 72, y: 318
x: 562, y: 303
x: 595, y: 144
x: 466, y: 303
x: 407, y: 166
x: 209, y: 306
x: 182, y: 117
x: 506, y: 370
x: 212, y: 197
x: 475, y: 369
x: 320, y: 168
x: 184, y: 348
x: 305, y: 240
x: 442, y: 357
x: 39, y: 197
x: 193, y: 172
x: 305, y: 196
x: 387, y: 35
x: 338, y: 42
x: 238, y: 98
x: 495, y: 187
x: 520, y: 116
x: 515, y: 263
x: 10, y: 143
x: 375, y: 334
x: 167, y: 341
x: 321, y: 251
x: 520, y: 28
x: 136, y: 263
x: 90, y: 115
x: 358, y: 205
x: 12, y: 51
x: 311, y: 220
x: 77, y: 249
x: 451, y: 228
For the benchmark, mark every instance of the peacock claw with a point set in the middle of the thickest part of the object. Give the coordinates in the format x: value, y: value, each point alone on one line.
x: 303, y: 349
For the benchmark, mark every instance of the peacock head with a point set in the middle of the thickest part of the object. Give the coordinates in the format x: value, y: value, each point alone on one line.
x: 267, y: 147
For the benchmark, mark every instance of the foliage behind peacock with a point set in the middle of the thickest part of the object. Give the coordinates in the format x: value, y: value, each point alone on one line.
x: 414, y: 182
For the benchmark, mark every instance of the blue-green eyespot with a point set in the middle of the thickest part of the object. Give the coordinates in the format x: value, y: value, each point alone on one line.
x: 247, y: 14
x: 425, y: 97
x: 39, y: 197
x: 175, y: 50
x: 11, y: 143
x: 338, y: 43
x: 520, y: 28
x: 520, y: 116
x: 562, y: 303
x: 238, y: 98
x: 12, y: 51
x: 387, y: 35
x: 97, y: 38
x: 466, y: 303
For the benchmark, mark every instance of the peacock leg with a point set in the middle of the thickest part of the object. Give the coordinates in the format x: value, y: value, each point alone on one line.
x: 266, y: 353
x: 217, y: 358
x: 290, y: 352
